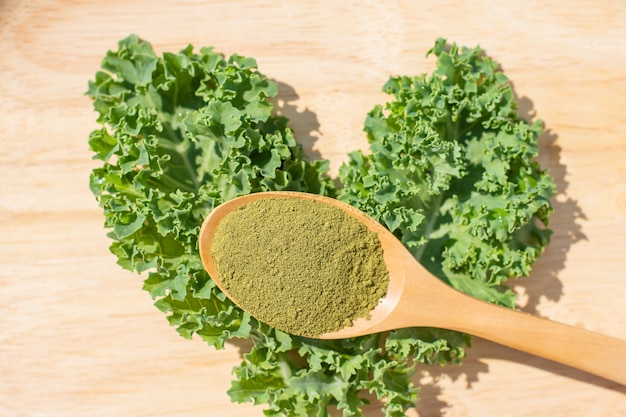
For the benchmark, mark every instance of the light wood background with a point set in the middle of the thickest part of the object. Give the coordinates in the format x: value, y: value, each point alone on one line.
x: 78, y: 336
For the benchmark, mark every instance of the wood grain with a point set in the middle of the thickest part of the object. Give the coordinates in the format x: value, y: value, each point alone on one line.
x: 78, y: 336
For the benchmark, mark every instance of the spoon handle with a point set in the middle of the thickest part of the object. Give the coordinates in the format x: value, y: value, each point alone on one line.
x: 595, y: 353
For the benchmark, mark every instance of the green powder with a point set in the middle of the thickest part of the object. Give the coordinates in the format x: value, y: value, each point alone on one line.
x: 299, y: 265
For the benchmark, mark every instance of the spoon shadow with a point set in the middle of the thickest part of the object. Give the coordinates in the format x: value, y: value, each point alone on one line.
x: 432, y: 380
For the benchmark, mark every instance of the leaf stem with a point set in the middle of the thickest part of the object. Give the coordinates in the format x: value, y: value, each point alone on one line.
x: 432, y: 220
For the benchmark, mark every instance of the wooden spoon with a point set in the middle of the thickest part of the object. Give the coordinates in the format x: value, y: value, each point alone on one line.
x: 417, y: 298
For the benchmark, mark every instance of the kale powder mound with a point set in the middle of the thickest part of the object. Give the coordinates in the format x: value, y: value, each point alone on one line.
x: 301, y: 266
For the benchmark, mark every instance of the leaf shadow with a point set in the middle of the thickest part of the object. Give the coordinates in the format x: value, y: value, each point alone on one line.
x: 243, y: 346
x: 304, y: 122
x: 431, y: 379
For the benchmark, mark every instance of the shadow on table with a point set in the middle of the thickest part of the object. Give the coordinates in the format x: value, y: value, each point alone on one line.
x: 304, y: 123
x: 434, y: 377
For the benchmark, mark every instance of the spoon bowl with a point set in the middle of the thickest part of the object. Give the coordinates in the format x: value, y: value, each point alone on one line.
x: 416, y: 298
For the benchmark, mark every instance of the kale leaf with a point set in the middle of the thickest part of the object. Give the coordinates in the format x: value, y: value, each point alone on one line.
x: 452, y: 172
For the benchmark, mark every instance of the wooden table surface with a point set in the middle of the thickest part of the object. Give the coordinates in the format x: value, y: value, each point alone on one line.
x: 78, y: 336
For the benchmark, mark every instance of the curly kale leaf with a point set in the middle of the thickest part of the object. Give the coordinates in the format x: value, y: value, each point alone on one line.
x: 181, y: 134
x: 451, y: 171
